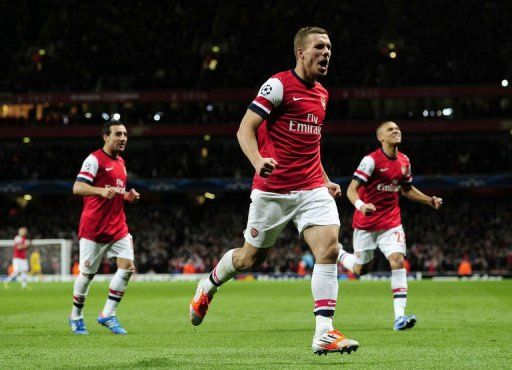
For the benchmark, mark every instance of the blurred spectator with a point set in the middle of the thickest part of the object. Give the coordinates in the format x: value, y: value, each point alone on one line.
x: 464, y: 268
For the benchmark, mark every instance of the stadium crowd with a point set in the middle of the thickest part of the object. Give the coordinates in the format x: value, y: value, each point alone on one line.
x: 181, y: 234
x: 197, y: 158
x: 144, y: 45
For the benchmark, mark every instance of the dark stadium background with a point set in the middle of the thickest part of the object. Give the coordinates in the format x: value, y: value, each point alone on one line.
x: 180, y: 74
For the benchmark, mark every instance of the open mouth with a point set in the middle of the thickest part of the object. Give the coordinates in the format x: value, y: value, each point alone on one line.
x: 323, y: 65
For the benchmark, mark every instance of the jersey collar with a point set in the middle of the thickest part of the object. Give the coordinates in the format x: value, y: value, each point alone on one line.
x: 388, y: 157
x: 108, y: 155
x: 304, y: 82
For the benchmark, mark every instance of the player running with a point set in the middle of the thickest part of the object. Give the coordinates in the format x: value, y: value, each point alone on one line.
x: 103, y: 229
x: 381, y: 175
x: 19, y: 258
x: 280, y: 135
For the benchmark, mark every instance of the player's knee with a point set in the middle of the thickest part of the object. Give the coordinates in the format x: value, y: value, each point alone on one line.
x: 396, y: 261
x: 329, y: 253
x: 247, y: 260
x: 131, y: 267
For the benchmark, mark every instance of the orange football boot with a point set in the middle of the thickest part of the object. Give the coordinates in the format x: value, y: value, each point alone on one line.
x: 333, y: 341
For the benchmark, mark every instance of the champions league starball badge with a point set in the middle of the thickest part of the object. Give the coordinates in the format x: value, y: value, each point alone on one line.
x: 265, y: 90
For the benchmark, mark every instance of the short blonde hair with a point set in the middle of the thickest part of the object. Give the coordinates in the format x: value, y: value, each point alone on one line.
x: 382, y: 124
x: 302, y: 34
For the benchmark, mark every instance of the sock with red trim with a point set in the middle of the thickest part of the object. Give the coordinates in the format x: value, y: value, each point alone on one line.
x: 116, y: 291
x: 223, y: 272
x: 80, y: 290
x: 324, y: 286
x: 399, y: 288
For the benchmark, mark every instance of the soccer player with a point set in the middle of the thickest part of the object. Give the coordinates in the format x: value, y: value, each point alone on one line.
x: 103, y: 229
x: 35, y: 264
x: 377, y: 223
x: 280, y: 135
x: 19, y: 258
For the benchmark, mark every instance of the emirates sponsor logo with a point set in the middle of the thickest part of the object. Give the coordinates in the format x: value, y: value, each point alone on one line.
x: 388, y: 188
x: 304, y: 128
x: 120, y: 188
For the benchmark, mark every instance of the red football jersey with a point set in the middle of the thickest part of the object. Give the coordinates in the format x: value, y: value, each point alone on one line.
x: 103, y: 220
x: 294, y: 111
x: 381, y: 178
x: 19, y: 241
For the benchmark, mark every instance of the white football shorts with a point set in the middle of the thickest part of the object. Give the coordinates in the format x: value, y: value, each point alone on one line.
x: 269, y: 213
x: 388, y: 241
x: 19, y: 265
x: 91, y: 253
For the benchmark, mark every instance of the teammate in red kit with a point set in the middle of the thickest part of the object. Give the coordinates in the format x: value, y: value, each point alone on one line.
x: 280, y: 135
x: 103, y: 229
x: 381, y: 175
x: 19, y: 258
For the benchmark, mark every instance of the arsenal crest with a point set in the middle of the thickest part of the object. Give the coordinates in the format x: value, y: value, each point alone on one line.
x: 405, y: 170
x: 323, y: 100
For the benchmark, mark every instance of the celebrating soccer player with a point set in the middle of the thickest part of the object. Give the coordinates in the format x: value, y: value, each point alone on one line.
x: 103, y: 229
x: 19, y: 258
x: 381, y: 175
x: 280, y: 135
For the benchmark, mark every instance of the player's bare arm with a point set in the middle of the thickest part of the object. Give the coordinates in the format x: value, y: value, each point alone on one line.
x: 248, y: 141
x: 414, y: 194
x: 353, y: 196
x: 334, y: 189
x: 132, y: 196
x: 83, y: 189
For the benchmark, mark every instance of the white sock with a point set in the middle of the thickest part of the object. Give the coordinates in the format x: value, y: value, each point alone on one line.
x: 323, y: 325
x: 23, y: 279
x: 399, y: 288
x: 79, y: 293
x: 116, y: 291
x: 348, y: 260
x: 223, y: 272
x: 324, y: 286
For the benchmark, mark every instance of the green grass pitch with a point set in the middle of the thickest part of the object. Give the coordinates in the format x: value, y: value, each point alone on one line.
x: 259, y: 325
